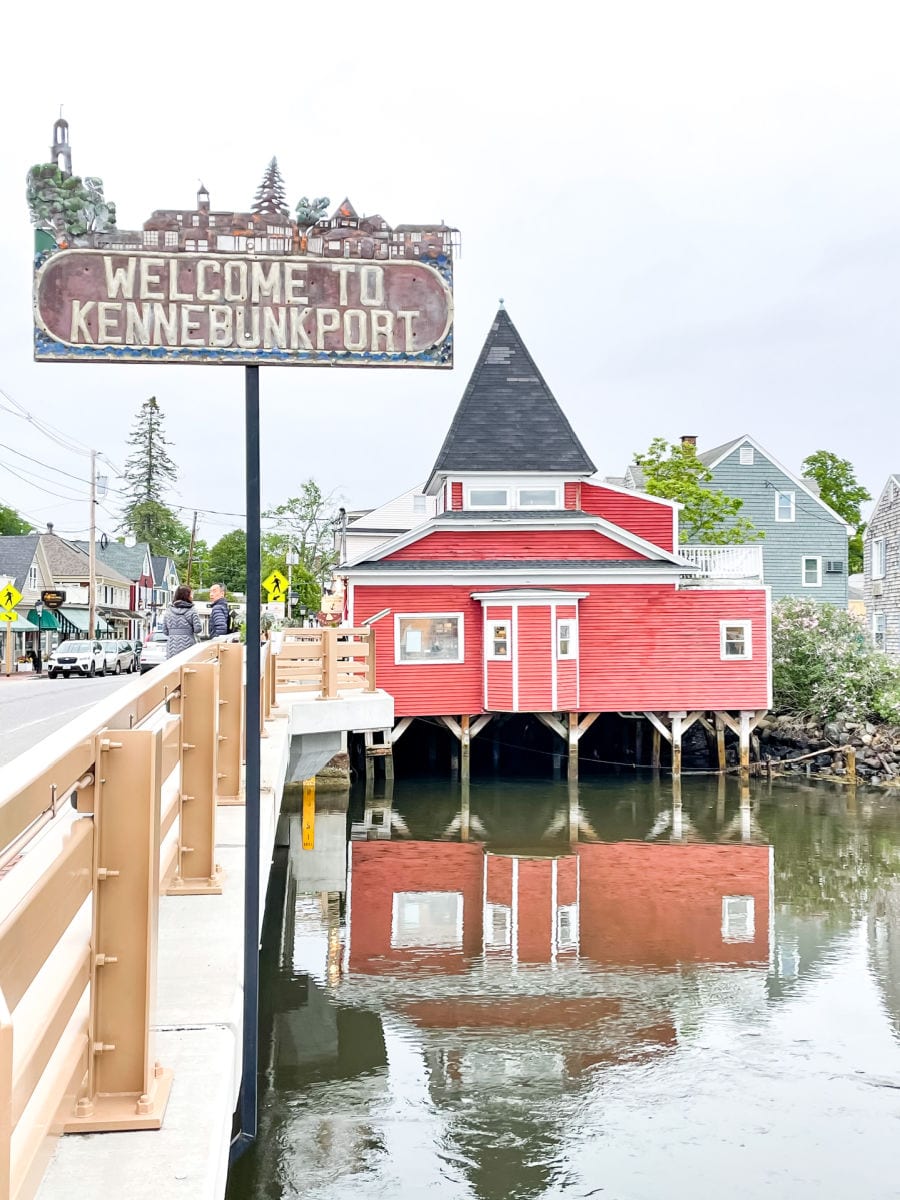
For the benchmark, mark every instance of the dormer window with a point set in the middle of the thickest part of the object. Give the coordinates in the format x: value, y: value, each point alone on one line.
x: 538, y: 498
x: 488, y: 498
x: 513, y: 497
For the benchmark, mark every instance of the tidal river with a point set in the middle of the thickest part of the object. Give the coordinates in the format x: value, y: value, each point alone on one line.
x: 529, y: 991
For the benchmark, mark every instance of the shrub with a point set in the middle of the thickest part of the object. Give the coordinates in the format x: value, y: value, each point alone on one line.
x: 823, y: 664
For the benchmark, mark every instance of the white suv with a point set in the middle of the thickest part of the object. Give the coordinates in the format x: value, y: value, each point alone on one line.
x: 77, y: 658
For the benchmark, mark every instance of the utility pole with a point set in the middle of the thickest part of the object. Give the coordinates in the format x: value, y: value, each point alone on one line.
x: 191, y: 551
x: 92, y: 552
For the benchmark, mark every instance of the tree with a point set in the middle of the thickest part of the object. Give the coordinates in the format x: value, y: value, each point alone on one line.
x: 305, y: 524
x: 152, y: 522
x: 839, y: 488
x: 67, y: 205
x: 149, y: 469
x: 270, y: 199
x: 310, y: 212
x: 709, y: 516
x: 227, y: 561
x: 11, y: 522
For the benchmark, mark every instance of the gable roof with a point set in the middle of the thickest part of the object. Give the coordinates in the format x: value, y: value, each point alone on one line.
x: 160, y: 565
x: 127, y: 560
x: 17, y: 553
x: 66, y: 560
x: 508, y: 419
x: 893, y: 480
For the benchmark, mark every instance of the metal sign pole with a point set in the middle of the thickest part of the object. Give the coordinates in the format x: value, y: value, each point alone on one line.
x: 250, y: 1050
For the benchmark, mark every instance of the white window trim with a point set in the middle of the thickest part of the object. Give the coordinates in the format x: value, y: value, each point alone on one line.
x: 748, y: 641
x: 536, y: 487
x: 487, y: 488
x: 729, y: 931
x: 793, y: 495
x: 573, y: 638
x: 818, y: 561
x: 882, y: 617
x: 880, y: 573
x: 489, y: 627
x: 429, y: 662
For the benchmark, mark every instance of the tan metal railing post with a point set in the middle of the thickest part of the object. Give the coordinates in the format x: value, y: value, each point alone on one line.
x: 195, y: 865
x: 231, y: 723
x: 263, y: 660
x: 273, y: 677
x: 126, y: 1088
x: 6, y: 1100
x: 371, y: 685
x: 329, y: 664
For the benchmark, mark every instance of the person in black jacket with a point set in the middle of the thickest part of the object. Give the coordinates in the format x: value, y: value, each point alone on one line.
x: 218, y: 612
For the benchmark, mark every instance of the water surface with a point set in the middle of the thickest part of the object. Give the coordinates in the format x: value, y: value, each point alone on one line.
x: 525, y: 990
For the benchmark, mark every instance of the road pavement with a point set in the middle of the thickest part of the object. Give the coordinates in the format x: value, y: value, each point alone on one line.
x: 32, y: 707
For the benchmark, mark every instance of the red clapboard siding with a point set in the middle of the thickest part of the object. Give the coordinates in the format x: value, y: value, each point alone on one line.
x: 380, y: 869
x: 662, y: 905
x: 535, y: 906
x: 534, y: 659
x: 499, y: 880
x: 422, y: 689
x: 456, y: 497
x: 517, y: 543
x: 647, y: 519
x: 653, y: 647
x: 571, y: 495
x: 567, y: 880
x: 566, y: 668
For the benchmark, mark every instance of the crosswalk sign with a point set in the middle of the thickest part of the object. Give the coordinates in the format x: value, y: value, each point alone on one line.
x: 9, y: 595
x: 276, y: 585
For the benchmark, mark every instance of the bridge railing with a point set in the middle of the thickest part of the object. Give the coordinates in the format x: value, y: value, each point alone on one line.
x: 95, y: 822
x: 326, y: 661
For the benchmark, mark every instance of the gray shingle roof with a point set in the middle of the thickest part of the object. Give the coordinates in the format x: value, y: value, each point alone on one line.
x: 127, y: 560
x: 508, y: 419
x: 511, y: 564
x: 68, y: 560
x: 17, y: 553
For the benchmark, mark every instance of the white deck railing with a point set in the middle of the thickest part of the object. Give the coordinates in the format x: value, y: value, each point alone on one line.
x: 725, y: 562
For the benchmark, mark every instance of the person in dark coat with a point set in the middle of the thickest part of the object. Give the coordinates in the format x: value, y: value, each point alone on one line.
x: 218, y: 612
x: 181, y: 624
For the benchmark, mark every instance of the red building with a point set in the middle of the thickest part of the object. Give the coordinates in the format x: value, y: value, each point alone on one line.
x: 536, y: 590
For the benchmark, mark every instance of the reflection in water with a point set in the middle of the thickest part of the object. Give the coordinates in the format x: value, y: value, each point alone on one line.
x: 533, y: 990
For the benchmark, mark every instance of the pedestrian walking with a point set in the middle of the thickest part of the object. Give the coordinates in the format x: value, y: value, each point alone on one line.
x: 181, y: 624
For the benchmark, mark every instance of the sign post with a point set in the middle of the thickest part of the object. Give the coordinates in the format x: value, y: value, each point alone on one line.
x: 246, y: 289
x: 9, y: 598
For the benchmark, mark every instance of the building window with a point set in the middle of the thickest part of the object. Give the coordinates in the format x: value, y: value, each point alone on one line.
x: 746, y: 453
x: 812, y: 571
x: 428, y: 637
x: 879, y: 558
x: 422, y: 919
x: 202, y: 244
x: 488, y: 498
x: 879, y: 630
x: 567, y: 927
x: 538, y: 498
x: 419, y: 504
x: 497, y: 925
x: 151, y: 237
x: 567, y: 638
x: 784, y: 506
x: 195, y: 219
x: 170, y: 237
x: 499, y: 642
x: 212, y: 221
x: 735, y: 639
x: 32, y: 577
x: 738, y: 919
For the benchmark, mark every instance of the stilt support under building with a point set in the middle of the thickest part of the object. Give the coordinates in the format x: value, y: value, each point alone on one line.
x: 465, y: 730
x: 381, y: 749
x: 571, y: 733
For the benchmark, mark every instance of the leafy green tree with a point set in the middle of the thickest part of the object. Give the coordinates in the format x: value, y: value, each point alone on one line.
x: 305, y: 524
x: 823, y: 664
x: 11, y: 522
x: 840, y: 489
x: 227, y: 561
x: 67, y: 205
x: 154, y: 523
x: 675, y: 472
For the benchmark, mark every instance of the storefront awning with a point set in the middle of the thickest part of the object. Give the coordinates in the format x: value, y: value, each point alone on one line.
x: 48, y: 619
x: 78, y: 619
x: 17, y: 626
x: 122, y: 614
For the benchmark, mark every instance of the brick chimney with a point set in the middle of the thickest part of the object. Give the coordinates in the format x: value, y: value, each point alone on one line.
x: 689, y: 442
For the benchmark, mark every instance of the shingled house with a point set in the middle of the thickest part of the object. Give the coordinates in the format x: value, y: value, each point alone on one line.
x: 534, y: 590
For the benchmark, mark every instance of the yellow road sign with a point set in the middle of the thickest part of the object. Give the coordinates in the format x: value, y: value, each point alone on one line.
x: 10, y: 596
x: 6, y: 615
x: 276, y: 585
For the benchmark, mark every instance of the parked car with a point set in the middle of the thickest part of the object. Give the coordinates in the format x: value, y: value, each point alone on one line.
x: 120, y: 656
x: 153, y: 651
x: 77, y: 658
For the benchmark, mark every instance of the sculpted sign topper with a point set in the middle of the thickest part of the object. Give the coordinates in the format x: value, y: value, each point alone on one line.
x: 209, y: 286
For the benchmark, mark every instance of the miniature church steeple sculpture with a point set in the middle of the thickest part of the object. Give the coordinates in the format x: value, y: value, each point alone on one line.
x: 61, y: 150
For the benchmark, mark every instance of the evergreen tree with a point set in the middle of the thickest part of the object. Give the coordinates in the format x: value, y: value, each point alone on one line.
x: 270, y: 198
x: 149, y: 470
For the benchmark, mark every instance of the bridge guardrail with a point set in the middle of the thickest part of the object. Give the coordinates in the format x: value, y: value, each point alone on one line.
x: 327, y: 661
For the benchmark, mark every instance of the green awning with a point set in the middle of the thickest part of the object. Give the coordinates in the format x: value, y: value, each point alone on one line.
x: 78, y: 619
x: 48, y: 619
x: 17, y: 626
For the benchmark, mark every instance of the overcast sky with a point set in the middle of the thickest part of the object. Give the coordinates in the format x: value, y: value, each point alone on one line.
x: 692, y: 211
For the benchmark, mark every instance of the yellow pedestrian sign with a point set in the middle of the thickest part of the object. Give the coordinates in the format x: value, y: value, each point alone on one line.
x: 9, y: 596
x: 276, y: 585
x: 7, y: 614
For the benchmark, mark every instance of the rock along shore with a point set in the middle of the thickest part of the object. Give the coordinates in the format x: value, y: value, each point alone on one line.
x: 782, y: 738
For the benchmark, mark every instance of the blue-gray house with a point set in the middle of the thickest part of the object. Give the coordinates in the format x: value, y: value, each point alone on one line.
x: 804, y: 551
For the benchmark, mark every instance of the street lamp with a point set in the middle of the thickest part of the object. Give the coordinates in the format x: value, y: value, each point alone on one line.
x: 39, y: 613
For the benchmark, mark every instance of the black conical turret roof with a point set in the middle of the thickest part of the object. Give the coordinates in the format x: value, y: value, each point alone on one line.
x: 508, y: 419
